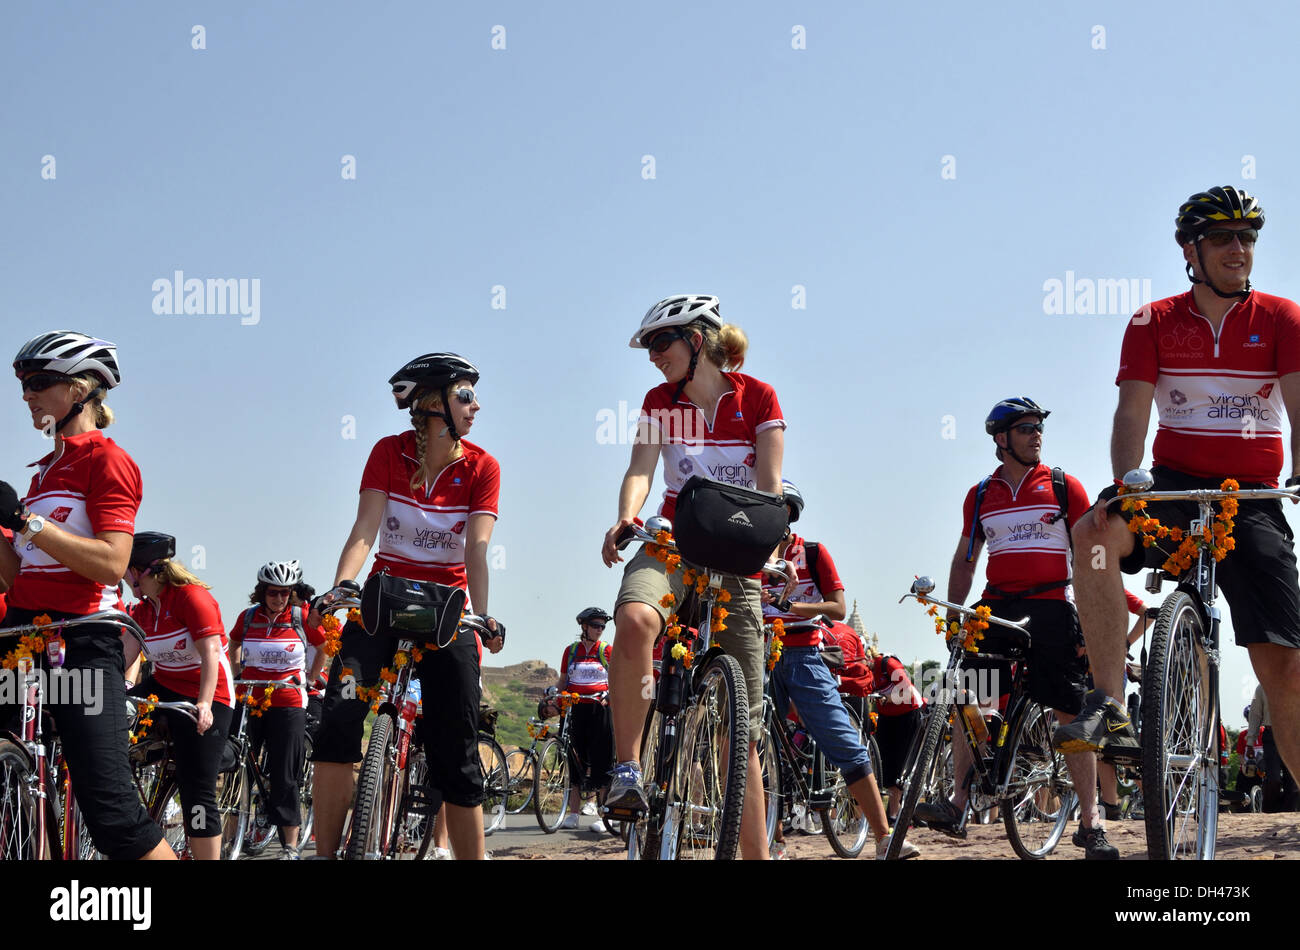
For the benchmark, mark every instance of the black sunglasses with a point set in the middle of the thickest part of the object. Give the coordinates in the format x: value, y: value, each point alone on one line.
x: 464, y: 396
x: 1027, y: 428
x: 661, y: 342
x: 39, y: 382
x: 1222, y: 237
x: 598, y: 626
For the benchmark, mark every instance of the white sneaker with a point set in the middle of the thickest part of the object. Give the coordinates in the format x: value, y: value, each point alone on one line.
x: 441, y: 854
x: 909, y: 850
x: 589, y: 808
x: 598, y: 827
x: 570, y: 822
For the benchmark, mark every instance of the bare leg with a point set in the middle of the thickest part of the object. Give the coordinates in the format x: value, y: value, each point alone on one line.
x: 867, y: 794
x: 332, y: 793
x: 1278, y: 669
x: 753, y: 820
x: 1099, y: 596
x: 630, y: 669
x: 465, y: 827
x: 206, y: 849
x: 1083, y: 772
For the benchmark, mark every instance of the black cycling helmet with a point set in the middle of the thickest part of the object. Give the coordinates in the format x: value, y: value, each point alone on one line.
x: 1203, y: 211
x: 793, y: 499
x: 593, y: 613
x: 150, y: 548
x: 1009, y: 410
x: 432, y: 371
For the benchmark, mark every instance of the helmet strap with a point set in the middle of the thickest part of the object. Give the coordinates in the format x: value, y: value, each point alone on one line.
x: 78, y: 406
x: 1238, y: 294
x: 1012, y: 452
x: 690, y: 372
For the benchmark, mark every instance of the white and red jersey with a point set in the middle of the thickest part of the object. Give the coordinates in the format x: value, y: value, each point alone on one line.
x: 172, y: 627
x: 809, y: 590
x: 422, y: 536
x: 586, y: 668
x: 724, y: 450
x: 891, y: 679
x: 273, y: 649
x: 1026, y: 547
x: 91, y: 487
x: 1217, y: 398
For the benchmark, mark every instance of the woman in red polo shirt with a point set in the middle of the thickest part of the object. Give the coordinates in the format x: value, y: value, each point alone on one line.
x: 185, y: 642
x: 71, y: 547
x: 270, y: 640
x: 430, y: 496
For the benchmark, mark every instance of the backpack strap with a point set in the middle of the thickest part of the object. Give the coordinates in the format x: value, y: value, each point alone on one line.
x: 975, y: 518
x: 812, y: 552
x: 295, y: 613
x: 1062, y: 498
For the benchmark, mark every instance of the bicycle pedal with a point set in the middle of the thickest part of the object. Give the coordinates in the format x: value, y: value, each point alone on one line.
x: 418, y: 800
x: 622, y: 813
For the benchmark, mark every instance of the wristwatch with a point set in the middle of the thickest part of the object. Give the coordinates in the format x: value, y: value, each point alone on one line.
x: 35, y: 525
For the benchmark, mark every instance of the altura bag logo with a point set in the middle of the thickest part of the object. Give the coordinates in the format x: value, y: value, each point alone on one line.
x: 741, y: 518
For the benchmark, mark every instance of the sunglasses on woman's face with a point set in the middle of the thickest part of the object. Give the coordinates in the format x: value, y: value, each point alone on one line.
x: 464, y: 396
x: 270, y: 592
x: 657, y: 344
x: 39, y: 382
x: 596, y: 626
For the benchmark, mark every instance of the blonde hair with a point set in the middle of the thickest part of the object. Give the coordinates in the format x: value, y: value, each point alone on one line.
x: 725, y: 348
x: 85, y: 383
x: 430, y: 402
x: 175, y: 575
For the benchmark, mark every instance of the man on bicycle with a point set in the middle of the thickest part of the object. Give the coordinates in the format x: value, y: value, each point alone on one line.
x: 584, y: 669
x: 801, y: 679
x: 1025, y: 511
x: 1222, y: 363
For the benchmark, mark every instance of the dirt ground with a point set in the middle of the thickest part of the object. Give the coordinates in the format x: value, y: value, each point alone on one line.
x: 1241, y: 837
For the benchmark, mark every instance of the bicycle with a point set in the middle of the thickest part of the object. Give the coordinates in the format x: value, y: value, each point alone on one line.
x: 1180, y: 686
x: 553, y: 764
x: 1020, y: 772
x: 695, y: 742
x: 154, y: 770
x: 522, y: 767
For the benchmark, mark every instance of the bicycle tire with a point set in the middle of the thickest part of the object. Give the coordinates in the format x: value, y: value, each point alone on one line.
x: 918, y: 774
x: 1180, y: 762
x: 1040, y: 795
x: 844, y: 822
x: 168, y: 813
x: 18, y: 824
x: 711, y: 771
x: 496, y: 782
x: 366, y: 836
x: 306, y: 802
x: 644, y: 835
x: 522, y: 770
x: 769, y: 758
x: 231, y: 807
x: 551, y: 797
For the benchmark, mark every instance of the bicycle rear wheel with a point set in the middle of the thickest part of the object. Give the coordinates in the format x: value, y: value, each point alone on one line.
x: 232, y: 806
x: 769, y: 757
x: 1180, y: 761
x: 645, y: 835
x: 521, y: 767
x: 1040, y: 795
x: 306, y: 807
x: 711, y: 770
x: 496, y: 782
x: 844, y: 823
x: 18, y: 824
x: 168, y: 813
x: 374, y: 809
x: 919, y: 775
x: 551, y: 797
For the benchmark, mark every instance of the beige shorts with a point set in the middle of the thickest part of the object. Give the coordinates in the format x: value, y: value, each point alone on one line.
x: 646, y: 581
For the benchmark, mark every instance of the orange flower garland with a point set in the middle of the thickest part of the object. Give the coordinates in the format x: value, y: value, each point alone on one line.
x: 332, y: 643
x: 774, y: 652
x: 1217, y: 538
x: 973, y: 628
x: 144, y: 720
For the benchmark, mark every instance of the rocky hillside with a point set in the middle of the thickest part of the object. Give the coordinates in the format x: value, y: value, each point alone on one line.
x: 514, y: 691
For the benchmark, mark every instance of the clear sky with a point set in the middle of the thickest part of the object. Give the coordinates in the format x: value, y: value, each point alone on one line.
x: 879, y: 194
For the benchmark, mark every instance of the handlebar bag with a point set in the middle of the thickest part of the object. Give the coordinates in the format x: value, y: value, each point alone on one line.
x: 727, y: 528
x: 412, y: 610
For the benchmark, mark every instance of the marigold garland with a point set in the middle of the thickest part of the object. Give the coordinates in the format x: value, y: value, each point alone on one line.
x: 257, y: 706
x: 333, y: 638
x: 774, y: 652
x: 143, y: 719
x: 1217, y: 538
x: 973, y: 628
x: 538, y: 732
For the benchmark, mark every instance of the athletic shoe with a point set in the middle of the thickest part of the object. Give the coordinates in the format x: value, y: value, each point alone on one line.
x: 941, y: 815
x: 589, y: 808
x: 1109, y: 811
x: 1100, y: 725
x: 625, y: 790
x: 777, y: 851
x: 289, y: 856
x: 441, y: 854
x: 1094, y: 844
x: 570, y: 822
x: 909, y: 850
x: 598, y: 827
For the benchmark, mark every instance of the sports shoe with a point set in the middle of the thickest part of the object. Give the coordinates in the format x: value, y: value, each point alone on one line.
x: 1110, y: 812
x: 777, y: 851
x: 909, y: 850
x: 589, y: 808
x: 941, y: 815
x: 288, y: 855
x: 1100, y: 725
x: 441, y: 854
x: 598, y: 827
x: 625, y: 790
x: 570, y: 822
x: 1094, y: 844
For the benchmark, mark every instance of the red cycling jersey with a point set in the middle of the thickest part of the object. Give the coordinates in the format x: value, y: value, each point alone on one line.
x: 809, y: 590
x: 1026, y: 549
x: 1217, y: 397
x: 183, y: 616
x: 1135, y: 605
x: 723, y: 450
x: 93, y: 486
x: 422, y: 536
x: 274, y: 651
x: 586, y: 669
x: 892, y: 681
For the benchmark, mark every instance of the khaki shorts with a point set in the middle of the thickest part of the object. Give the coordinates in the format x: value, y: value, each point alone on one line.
x: 646, y: 581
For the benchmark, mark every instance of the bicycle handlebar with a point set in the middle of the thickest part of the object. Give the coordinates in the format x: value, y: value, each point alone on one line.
x: 102, y: 616
x: 920, y: 592
x: 1139, y: 481
x: 185, y: 708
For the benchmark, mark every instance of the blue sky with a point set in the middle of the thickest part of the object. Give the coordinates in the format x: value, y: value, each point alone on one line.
x: 921, y: 173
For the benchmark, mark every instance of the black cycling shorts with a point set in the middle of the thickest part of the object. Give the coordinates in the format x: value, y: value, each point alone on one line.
x: 894, y: 735
x: 1056, y: 672
x: 1257, y: 578
x: 591, y: 749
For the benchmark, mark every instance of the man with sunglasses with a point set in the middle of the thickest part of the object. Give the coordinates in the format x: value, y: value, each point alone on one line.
x: 584, y: 669
x: 1222, y: 364
x: 1025, y: 512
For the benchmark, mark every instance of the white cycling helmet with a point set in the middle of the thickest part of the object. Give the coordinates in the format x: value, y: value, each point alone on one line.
x: 280, y: 573
x: 677, y: 312
x: 70, y: 353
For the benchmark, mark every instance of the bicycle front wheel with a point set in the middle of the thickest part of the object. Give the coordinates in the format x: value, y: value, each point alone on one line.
x: 844, y: 822
x: 232, y: 806
x: 712, y: 767
x: 769, y: 757
x: 644, y: 835
x: 18, y: 817
x: 306, y: 806
x: 373, y: 811
x: 551, y: 797
x: 1180, y: 761
x: 919, y: 775
x: 496, y: 782
x: 1040, y: 797
x: 521, y: 767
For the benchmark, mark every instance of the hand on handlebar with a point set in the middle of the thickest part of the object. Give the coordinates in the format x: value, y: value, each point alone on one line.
x: 11, y: 508
x: 615, y: 538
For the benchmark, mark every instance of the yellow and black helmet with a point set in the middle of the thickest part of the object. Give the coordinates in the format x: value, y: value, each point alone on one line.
x: 1205, y: 209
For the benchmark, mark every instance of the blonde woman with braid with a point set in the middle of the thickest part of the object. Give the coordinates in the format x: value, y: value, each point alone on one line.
x: 431, y: 498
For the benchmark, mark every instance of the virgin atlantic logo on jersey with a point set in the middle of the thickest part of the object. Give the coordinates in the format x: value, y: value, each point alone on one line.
x: 180, y: 644
x: 60, y: 514
x: 750, y: 459
x: 1233, y: 406
x: 732, y: 474
x: 427, y: 539
x: 1265, y: 391
x: 458, y: 527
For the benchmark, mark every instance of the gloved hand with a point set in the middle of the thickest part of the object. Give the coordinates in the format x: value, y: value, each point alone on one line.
x: 11, y: 508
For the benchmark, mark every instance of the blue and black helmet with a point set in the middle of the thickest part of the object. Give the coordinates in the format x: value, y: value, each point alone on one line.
x: 1009, y: 410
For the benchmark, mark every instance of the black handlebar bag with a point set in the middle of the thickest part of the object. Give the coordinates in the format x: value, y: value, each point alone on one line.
x: 727, y: 528
x: 411, y: 610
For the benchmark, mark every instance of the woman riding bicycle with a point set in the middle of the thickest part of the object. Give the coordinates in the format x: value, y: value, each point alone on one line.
x: 584, y: 669
x: 72, y: 544
x: 270, y: 640
x: 435, y: 495
x: 704, y: 417
x: 185, y: 641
